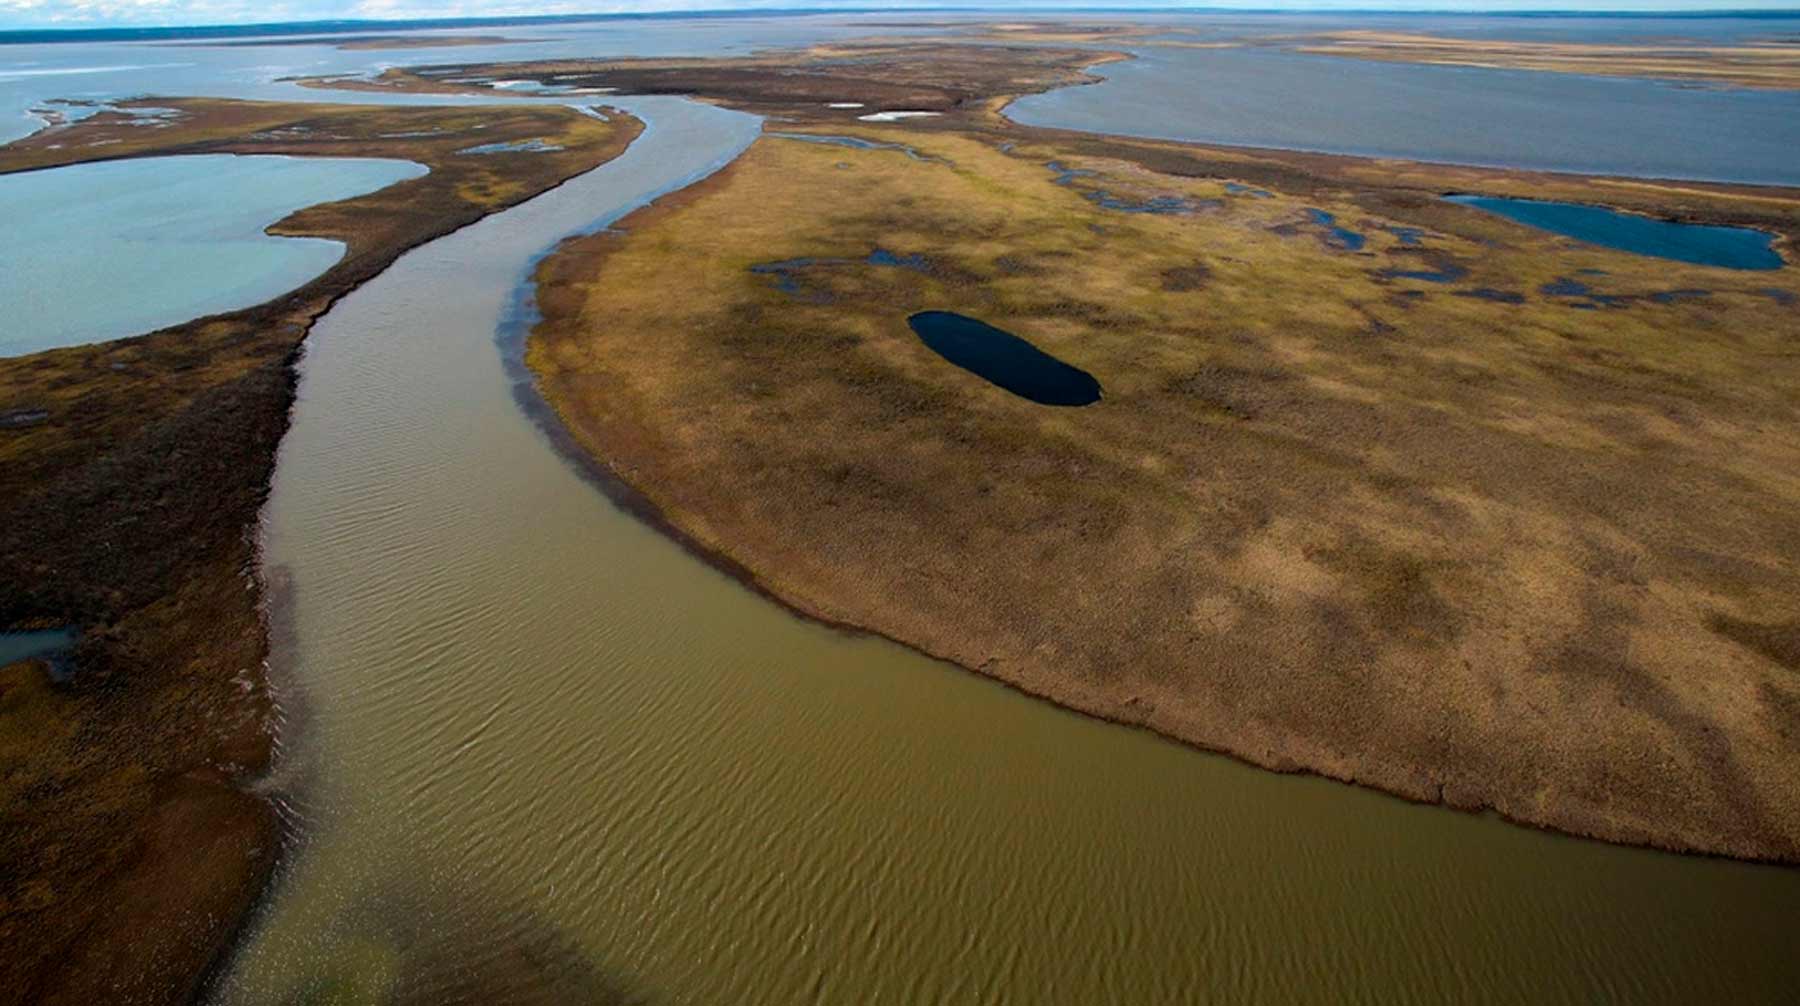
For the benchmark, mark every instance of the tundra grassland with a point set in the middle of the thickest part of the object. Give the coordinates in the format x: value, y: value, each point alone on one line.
x: 1409, y: 496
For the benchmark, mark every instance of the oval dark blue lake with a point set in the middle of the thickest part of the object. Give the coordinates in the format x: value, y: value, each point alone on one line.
x: 1727, y: 247
x: 1004, y: 359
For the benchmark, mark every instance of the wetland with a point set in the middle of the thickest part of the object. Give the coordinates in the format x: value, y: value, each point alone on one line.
x: 1381, y: 488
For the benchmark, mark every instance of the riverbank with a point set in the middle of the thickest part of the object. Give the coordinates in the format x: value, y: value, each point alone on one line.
x: 1379, y: 489
x: 133, y: 481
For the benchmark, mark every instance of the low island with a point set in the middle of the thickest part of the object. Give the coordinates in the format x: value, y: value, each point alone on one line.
x: 1372, y: 483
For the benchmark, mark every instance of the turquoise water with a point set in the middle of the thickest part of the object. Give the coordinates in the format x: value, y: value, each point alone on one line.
x: 1726, y: 247
x: 100, y: 251
x: 25, y: 645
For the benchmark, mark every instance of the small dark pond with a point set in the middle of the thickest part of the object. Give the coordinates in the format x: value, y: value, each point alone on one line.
x: 1563, y: 286
x: 1004, y: 359
x: 787, y: 272
x: 1677, y: 296
x: 855, y: 143
x: 513, y: 147
x: 1446, y: 272
x: 1165, y: 205
x: 1336, y: 236
x: 15, y: 418
x: 1497, y: 296
x: 47, y: 643
x: 1727, y: 247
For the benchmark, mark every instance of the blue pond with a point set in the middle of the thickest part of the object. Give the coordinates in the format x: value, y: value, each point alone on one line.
x: 1336, y: 236
x: 855, y: 143
x: 1004, y: 359
x: 1588, y: 298
x: 1446, y: 272
x: 787, y: 271
x: 537, y: 146
x: 1727, y: 247
x: 48, y: 643
x: 1167, y: 205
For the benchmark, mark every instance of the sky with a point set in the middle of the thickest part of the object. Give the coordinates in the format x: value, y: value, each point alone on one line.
x: 103, y: 13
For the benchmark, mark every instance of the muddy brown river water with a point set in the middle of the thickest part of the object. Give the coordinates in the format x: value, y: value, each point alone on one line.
x: 537, y: 752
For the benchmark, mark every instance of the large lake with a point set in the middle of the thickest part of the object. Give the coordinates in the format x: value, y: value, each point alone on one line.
x: 101, y: 251
x: 1261, y: 97
x: 534, y: 746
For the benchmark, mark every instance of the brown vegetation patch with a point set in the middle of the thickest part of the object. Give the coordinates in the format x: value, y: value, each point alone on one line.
x: 1185, y: 278
x: 1779, y: 642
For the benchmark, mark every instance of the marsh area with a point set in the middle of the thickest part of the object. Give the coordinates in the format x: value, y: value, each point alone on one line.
x: 548, y: 735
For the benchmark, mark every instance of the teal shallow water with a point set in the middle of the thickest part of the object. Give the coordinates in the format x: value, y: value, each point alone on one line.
x: 25, y: 645
x: 100, y: 251
x: 1724, y: 247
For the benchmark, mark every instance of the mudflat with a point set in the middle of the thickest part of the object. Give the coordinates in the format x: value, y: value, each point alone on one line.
x: 131, y: 475
x: 1380, y: 487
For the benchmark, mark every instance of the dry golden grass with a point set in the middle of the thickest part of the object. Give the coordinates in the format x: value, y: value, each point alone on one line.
x: 1514, y: 555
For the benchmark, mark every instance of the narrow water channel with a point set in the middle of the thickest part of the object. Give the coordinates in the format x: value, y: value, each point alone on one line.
x: 536, y: 752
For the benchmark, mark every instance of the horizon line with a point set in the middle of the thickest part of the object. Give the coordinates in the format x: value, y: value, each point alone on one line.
x: 333, y: 26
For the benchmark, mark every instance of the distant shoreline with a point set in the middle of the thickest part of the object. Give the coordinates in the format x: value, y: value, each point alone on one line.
x: 43, y: 35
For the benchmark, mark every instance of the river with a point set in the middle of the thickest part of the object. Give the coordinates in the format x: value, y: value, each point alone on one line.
x: 523, y: 719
